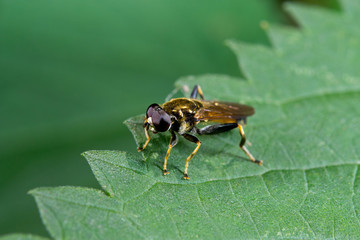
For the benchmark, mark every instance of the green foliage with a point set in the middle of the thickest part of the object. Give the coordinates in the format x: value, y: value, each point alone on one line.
x: 72, y: 71
x: 306, y: 93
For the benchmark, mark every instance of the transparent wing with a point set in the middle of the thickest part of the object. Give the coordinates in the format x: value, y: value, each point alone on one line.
x: 224, y: 112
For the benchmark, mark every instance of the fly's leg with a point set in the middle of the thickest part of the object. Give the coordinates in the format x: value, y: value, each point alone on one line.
x: 197, y: 90
x: 215, y: 129
x: 194, y: 139
x: 146, y: 129
x: 242, y: 146
x: 173, y: 142
x: 219, y: 128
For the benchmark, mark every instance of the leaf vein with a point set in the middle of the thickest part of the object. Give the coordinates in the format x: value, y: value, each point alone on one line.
x: 172, y: 220
x: 139, y: 195
x: 303, y: 202
x: 242, y: 205
x: 206, y: 213
x: 266, y: 188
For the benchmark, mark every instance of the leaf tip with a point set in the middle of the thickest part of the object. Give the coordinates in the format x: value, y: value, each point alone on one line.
x: 36, y: 191
x: 231, y: 43
x: 88, y: 154
x: 85, y: 154
x: 32, y: 192
x: 126, y: 122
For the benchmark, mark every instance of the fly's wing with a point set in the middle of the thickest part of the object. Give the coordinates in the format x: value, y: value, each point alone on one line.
x: 223, y: 112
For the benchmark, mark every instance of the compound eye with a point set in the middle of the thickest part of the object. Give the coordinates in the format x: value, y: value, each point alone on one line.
x: 161, y: 120
x: 151, y: 109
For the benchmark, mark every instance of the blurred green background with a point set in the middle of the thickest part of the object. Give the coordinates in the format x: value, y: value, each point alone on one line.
x: 72, y: 71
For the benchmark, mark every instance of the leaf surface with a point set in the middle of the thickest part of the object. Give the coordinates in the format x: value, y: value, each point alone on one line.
x: 68, y: 70
x: 306, y: 130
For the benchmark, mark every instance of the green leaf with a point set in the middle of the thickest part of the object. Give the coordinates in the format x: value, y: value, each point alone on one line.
x: 67, y: 67
x: 306, y: 130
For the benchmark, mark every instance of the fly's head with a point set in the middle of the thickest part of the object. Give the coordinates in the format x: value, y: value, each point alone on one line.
x: 157, y: 118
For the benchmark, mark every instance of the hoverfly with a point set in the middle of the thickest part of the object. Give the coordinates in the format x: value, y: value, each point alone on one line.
x: 181, y: 115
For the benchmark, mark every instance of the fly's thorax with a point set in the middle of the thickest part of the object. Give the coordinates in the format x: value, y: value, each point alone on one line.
x: 183, y: 111
x: 184, y: 105
x: 182, y: 108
